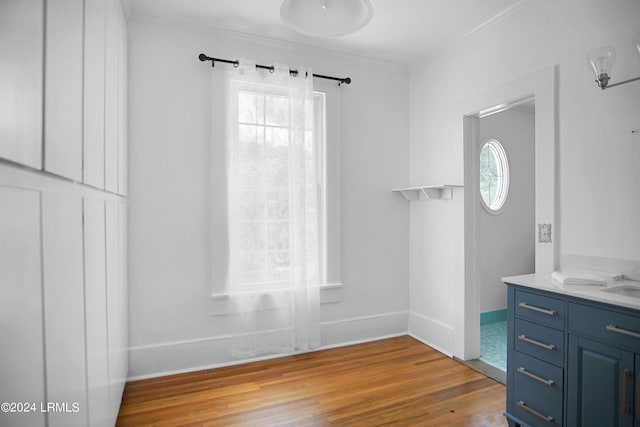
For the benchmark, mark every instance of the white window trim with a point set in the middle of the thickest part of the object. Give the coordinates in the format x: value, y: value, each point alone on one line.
x: 321, y: 136
x: 331, y: 284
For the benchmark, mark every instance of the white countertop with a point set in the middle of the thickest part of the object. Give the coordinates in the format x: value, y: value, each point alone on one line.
x: 544, y: 282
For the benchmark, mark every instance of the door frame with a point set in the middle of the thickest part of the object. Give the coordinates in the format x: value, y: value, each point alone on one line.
x: 541, y: 86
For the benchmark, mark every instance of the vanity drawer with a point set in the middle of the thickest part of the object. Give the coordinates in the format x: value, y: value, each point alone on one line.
x: 540, y: 308
x: 539, y: 341
x: 606, y: 325
x: 541, y: 377
x: 536, y: 409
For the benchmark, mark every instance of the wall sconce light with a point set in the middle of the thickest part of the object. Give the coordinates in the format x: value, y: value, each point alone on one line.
x: 601, y: 61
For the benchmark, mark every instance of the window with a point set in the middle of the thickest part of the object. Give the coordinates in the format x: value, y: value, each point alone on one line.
x: 494, y: 175
x: 263, y: 172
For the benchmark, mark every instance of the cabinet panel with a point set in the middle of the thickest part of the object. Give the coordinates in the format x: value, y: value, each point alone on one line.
x: 605, y: 325
x: 112, y: 69
x: 122, y: 107
x: 544, y: 377
x: 116, y: 309
x: 21, y: 50
x: 540, y: 308
x: 63, y: 88
x: 539, y: 341
x: 600, y: 382
x: 534, y: 409
x: 64, y: 307
x: 96, y: 312
x: 124, y: 290
x: 94, y: 96
x: 22, y: 351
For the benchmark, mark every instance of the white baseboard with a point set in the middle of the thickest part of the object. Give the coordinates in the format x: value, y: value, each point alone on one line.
x: 431, y: 332
x: 178, y: 357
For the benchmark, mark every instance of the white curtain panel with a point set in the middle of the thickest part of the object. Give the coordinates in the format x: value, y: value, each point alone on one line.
x: 272, y: 179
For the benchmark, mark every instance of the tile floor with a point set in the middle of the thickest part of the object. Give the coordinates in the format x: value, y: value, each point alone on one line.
x: 493, y: 344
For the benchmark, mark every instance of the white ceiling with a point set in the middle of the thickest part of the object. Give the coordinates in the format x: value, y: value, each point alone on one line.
x: 400, y: 31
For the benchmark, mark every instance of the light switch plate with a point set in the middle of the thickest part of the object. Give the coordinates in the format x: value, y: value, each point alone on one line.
x: 544, y: 233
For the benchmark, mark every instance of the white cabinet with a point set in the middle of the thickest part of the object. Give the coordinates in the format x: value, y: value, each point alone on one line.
x: 63, y: 88
x: 21, y: 50
x: 95, y: 288
x: 64, y: 313
x: 94, y: 95
x: 22, y: 351
x: 63, y: 292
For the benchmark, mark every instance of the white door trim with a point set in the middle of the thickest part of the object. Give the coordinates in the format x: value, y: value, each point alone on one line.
x: 541, y: 86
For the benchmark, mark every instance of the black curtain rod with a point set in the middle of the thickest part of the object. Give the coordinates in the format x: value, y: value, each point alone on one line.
x: 202, y: 57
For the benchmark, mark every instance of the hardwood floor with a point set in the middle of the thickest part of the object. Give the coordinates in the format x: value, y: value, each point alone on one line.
x: 398, y: 381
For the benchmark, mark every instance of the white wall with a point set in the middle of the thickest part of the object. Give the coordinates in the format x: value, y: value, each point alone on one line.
x: 174, y: 260
x: 598, y: 154
x: 506, y: 241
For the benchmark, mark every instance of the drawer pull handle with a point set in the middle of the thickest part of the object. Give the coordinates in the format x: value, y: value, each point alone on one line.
x: 524, y: 406
x: 538, y: 309
x: 623, y: 399
x: 614, y: 328
x: 535, y: 377
x: 536, y: 343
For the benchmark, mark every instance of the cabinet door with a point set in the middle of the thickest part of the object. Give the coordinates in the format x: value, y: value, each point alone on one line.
x: 96, y: 312
x: 116, y: 307
x: 122, y: 106
x: 94, y: 75
x: 64, y: 314
x: 21, y: 54
x: 21, y: 349
x: 63, y: 88
x: 112, y: 67
x: 600, y: 385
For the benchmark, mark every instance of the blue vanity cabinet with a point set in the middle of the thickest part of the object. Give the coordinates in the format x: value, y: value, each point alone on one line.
x: 535, y: 358
x: 571, y: 361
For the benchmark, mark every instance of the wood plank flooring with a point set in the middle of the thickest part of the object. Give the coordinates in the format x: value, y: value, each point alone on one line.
x: 398, y: 381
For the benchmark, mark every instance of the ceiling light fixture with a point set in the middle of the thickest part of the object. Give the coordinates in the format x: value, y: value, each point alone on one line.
x: 601, y: 61
x: 326, y: 18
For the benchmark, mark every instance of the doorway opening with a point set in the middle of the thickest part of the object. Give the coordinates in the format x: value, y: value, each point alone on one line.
x: 501, y: 169
x: 504, y: 234
x: 538, y: 90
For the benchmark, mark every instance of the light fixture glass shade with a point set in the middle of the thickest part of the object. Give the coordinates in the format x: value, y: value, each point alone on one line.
x: 326, y: 18
x: 601, y: 61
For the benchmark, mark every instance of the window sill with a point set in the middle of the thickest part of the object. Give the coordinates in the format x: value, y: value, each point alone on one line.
x: 329, y: 293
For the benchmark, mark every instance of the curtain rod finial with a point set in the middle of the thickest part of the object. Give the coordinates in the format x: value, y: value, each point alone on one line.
x: 202, y: 57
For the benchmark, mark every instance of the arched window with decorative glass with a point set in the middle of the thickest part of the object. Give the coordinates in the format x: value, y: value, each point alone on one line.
x: 494, y: 176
